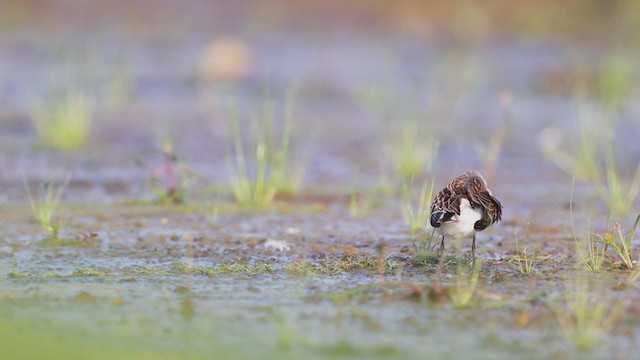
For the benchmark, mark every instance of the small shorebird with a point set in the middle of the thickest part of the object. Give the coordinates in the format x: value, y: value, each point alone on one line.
x: 463, y: 208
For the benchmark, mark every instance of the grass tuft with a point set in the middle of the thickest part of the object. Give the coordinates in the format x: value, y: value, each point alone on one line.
x: 284, y: 177
x: 594, y: 256
x: 621, y: 242
x: 411, y: 152
x: 592, y: 158
x: 256, y: 190
x: 65, y: 122
x: 360, y: 203
x: 619, y: 195
x: 273, y: 172
x: 526, y: 261
x: 44, y: 206
x: 213, y: 213
x: 615, y: 79
x: 426, y: 251
x: 418, y: 218
x: 586, y: 316
x: 463, y: 292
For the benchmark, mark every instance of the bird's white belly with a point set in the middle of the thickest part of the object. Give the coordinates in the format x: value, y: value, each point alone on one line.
x: 461, y: 226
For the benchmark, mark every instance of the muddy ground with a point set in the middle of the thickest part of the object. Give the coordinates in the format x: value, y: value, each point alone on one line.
x: 133, y: 277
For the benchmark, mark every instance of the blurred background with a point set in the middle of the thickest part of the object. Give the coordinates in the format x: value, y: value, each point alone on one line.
x: 479, y: 83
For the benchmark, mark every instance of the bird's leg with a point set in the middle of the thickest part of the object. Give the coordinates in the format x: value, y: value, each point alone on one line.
x: 473, y: 248
x: 442, y: 246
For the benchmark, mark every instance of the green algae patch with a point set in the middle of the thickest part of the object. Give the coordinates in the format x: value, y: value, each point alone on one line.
x: 335, y: 266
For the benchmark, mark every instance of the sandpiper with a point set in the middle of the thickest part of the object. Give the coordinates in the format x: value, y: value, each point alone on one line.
x: 463, y: 208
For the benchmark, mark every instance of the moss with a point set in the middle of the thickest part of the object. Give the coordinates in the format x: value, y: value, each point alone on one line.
x: 341, y: 265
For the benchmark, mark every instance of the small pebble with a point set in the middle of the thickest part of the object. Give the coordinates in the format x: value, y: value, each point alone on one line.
x: 277, y: 245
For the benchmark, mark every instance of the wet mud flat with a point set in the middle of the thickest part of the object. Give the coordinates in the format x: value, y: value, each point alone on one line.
x: 167, y: 284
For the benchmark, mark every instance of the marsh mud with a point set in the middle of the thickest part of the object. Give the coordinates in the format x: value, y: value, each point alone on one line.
x: 331, y: 272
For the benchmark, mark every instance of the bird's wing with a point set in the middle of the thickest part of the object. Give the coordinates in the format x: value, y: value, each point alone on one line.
x: 492, y: 212
x: 444, y: 207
